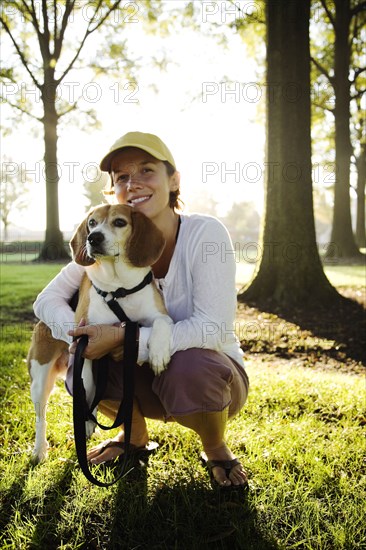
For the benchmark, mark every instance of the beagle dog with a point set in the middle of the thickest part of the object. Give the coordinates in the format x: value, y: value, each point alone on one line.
x: 117, y: 246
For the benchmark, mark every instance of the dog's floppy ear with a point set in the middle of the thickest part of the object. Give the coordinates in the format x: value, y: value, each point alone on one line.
x: 78, y: 245
x: 146, y: 242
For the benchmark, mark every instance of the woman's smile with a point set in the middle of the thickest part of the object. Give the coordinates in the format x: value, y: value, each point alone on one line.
x: 137, y: 200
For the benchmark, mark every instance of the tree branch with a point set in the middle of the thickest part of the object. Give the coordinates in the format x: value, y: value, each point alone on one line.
x: 69, y: 6
x: 322, y: 70
x: 247, y: 16
x: 54, y: 26
x: 24, y: 111
x: 323, y: 107
x: 71, y: 108
x: 35, y: 23
x: 46, y: 30
x: 30, y: 12
x: 354, y: 43
x: 357, y: 9
x: 19, y: 52
x: 113, y: 8
x: 328, y: 12
x: 358, y: 94
x: 87, y: 33
x: 357, y: 72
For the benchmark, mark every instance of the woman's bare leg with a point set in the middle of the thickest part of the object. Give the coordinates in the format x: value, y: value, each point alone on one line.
x: 210, y: 426
x: 139, y: 435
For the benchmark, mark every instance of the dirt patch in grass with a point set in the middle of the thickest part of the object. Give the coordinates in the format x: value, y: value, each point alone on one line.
x: 334, y: 338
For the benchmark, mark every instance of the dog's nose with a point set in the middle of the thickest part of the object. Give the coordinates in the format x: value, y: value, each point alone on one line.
x: 95, y: 238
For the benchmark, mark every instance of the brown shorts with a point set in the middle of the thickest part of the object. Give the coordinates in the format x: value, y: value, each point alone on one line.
x: 196, y: 380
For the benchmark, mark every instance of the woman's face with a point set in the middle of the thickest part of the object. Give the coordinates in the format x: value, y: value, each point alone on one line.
x: 141, y: 181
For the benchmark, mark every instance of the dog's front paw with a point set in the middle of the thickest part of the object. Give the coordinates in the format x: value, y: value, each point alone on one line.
x: 40, y: 453
x: 159, y: 345
x: 159, y: 361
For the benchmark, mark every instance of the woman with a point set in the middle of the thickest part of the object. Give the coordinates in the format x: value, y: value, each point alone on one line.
x: 205, y: 382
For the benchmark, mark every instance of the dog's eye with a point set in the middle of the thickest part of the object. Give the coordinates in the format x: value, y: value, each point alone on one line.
x: 119, y: 222
x: 92, y: 222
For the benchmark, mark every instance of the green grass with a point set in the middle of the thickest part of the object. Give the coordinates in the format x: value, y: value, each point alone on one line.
x: 19, y: 286
x: 338, y: 275
x: 345, y: 275
x: 300, y: 437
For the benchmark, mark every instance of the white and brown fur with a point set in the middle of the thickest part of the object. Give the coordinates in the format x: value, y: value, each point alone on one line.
x: 117, y: 246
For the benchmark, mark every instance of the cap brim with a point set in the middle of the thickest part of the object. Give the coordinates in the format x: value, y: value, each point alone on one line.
x: 105, y: 164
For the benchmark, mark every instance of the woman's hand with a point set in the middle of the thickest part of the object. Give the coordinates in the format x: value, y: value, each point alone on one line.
x: 102, y: 339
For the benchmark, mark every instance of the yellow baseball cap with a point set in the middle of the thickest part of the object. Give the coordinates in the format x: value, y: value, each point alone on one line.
x: 147, y: 142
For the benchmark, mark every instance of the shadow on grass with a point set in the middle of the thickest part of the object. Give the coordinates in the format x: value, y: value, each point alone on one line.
x: 343, y: 322
x: 9, y: 500
x: 46, y: 517
x: 186, y: 516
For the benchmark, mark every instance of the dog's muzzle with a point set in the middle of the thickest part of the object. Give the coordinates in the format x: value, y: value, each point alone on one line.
x: 97, y: 246
x: 95, y: 242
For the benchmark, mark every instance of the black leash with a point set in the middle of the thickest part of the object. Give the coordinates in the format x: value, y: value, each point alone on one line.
x: 82, y: 413
x: 81, y: 410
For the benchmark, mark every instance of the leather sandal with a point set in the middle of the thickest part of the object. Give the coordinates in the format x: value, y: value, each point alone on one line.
x: 136, y: 454
x: 227, y: 466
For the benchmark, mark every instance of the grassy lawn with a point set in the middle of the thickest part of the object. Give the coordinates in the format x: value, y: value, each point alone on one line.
x: 338, y: 275
x: 300, y: 436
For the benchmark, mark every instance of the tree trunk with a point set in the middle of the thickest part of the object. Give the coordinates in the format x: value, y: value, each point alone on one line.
x: 289, y: 273
x: 5, y: 231
x: 53, y: 247
x: 361, y: 182
x: 343, y: 243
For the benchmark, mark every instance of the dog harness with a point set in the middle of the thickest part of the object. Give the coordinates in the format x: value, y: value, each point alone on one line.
x: 121, y: 292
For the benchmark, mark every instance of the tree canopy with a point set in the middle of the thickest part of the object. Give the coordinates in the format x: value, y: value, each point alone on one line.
x: 46, y: 42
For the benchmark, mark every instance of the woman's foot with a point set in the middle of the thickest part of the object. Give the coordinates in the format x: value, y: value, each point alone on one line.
x: 106, y: 451
x: 236, y: 476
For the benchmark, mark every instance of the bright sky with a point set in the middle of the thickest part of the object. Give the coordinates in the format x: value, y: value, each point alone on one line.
x: 204, y: 107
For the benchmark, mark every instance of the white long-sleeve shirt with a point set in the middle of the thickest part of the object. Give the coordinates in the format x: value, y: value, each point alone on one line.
x: 198, y: 290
